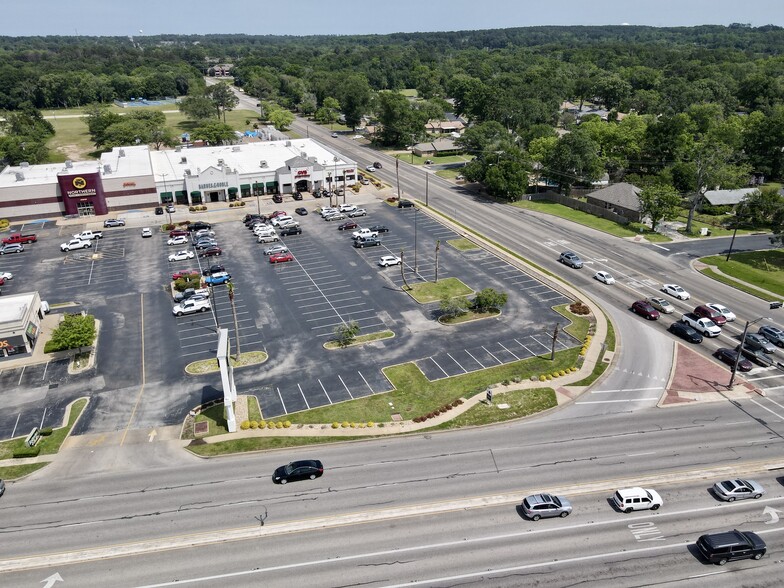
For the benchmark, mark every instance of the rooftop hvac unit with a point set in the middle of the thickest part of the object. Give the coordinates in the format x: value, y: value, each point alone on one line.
x: 68, y: 163
x: 24, y: 164
x: 303, y: 155
x: 183, y: 159
x: 178, y: 148
x: 107, y: 168
x: 122, y: 152
x: 236, y: 148
x: 263, y: 163
x: 187, y: 172
x: 220, y: 162
x: 288, y: 143
x: 19, y: 176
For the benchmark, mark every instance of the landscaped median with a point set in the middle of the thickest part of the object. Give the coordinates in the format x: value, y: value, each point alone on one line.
x: 519, y: 389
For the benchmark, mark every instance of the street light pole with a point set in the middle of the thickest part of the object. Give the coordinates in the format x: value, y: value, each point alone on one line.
x: 258, y: 202
x: 165, y: 190
x: 740, y: 348
x: 416, y: 218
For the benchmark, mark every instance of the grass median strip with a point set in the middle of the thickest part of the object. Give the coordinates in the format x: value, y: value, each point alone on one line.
x: 758, y: 269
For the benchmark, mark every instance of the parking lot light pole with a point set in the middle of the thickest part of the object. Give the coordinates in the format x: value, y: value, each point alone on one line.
x: 258, y: 203
x: 740, y: 348
x: 416, y: 218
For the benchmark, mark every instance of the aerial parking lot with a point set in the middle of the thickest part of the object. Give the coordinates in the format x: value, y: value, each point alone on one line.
x: 288, y: 309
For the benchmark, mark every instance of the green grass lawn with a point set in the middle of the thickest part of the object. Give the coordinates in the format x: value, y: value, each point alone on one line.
x: 521, y: 403
x: 48, y: 444
x: 263, y: 444
x: 17, y: 471
x: 425, y: 292
x: 589, y: 220
x: 763, y: 269
x: 463, y: 244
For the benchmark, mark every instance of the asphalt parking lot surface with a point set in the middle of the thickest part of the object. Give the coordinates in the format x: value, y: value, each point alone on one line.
x: 288, y: 310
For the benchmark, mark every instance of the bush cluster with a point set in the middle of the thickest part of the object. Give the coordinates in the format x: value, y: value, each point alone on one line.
x: 579, y: 308
x: 238, y: 203
x: 197, y: 208
x: 27, y: 452
x: 245, y: 425
x: 438, y: 411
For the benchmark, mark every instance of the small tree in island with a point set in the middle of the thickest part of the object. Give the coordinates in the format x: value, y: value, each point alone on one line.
x: 74, y: 332
x: 346, y: 333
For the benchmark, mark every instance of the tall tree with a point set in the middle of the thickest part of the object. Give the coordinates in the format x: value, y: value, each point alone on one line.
x: 573, y: 159
x: 197, y: 107
x: 659, y: 203
x: 223, y: 98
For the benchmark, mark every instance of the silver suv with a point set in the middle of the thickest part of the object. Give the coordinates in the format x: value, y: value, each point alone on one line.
x: 538, y: 506
x: 773, y: 334
x: 571, y: 259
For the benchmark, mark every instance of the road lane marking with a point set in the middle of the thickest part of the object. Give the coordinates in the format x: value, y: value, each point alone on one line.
x: 766, y: 408
x: 609, y: 401
x: 144, y: 375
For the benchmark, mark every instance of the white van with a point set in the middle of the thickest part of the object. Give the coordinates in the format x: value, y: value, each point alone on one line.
x: 281, y: 219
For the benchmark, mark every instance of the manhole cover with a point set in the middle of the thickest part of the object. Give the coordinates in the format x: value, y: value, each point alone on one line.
x: 201, y: 428
x: 396, y: 417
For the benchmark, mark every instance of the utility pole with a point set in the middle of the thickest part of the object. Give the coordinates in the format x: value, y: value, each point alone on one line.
x: 403, y: 272
x: 427, y: 188
x: 438, y: 247
x: 554, y: 337
x: 397, y: 176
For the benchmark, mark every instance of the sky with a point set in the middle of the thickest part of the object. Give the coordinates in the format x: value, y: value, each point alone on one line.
x: 338, y: 17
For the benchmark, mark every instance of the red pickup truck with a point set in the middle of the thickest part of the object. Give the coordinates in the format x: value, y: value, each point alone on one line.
x: 20, y: 238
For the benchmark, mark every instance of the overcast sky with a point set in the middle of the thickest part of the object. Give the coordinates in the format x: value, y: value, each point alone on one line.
x: 335, y: 17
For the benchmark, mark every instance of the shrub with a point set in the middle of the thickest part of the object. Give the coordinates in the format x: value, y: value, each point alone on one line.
x: 46, y: 431
x: 562, y: 373
x: 361, y: 425
x: 352, y: 425
x: 245, y: 425
x: 548, y: 377
x: 27, y: 452
x: 345, y: 424
x: 542, y: 378
x: 417, y: 419
x: 392, y: 199
x: 254, y: 425
x: 262, y: 424
x: 279, y: 425
x: 286, y: 424
x: 371, y: 424
x: 335, y: 425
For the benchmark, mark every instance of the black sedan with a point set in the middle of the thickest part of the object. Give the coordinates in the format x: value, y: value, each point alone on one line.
x: 213, y: 269
x: 308, y: 469
x: 348, y: 225
x: 729, y: 356
x: 379, y: 228
x: 684, y: 331
x: 301, y: 211
x: 297, y: 196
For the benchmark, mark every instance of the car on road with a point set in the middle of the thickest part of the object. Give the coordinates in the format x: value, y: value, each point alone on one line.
x: 630, y: 499
x: 213, y: 269
x: 146, y: 232
x: 186, y: 273
x: 217, y: 278
x: 719, y: 548
x: 702, y: 325
x: 370, y: 168
x: 645, y: 310
x: 275, y: 249
x: 539, y: 506
x: 756, y: 341
x: 211, y: 252
x: 405, y: 204
x: 706, y: 312
x: 379, y: 228
x: 661, y: 304
x: 729, y: 356
x: 731, y: 490
x: 722, y: 310
x: 676, y: 291
x: 281, y: 257
x: 377, y: 164
x: 180, y: 240
x: 306, y: 469
x: 772, y: 334
x: 334, y: 135
x: 181, y: 255
x: 302, y: 211
x: 71, y: 245
x: 191, y: 307
x: 604, y: 277
x: 387, y: 260
x: 685, y: 332
x: 357, y: 213
x: 348, y: 225
x: 114, y: 222
x: 756, y: 355
x: 571, y: 259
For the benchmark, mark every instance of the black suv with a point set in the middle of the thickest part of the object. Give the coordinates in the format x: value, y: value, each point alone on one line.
x: 720, y: 548
x: 404, y: 204
x: 292, y: 230
x: 199, y: 225
x: 367, y: 242
x: 277, y: 198
x: 297, y: 195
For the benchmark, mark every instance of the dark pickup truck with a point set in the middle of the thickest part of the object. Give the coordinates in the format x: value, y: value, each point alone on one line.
x: 20, y: 238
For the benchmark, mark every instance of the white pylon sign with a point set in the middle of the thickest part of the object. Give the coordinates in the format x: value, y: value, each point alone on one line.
x: 227, y: 379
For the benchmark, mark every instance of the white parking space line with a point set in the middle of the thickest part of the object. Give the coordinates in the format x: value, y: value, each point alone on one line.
x: 303, y: 396
x: 346, y: 387
x: 285, y: 410
x: 472, y: 357
x: 764, y: 377
x: 325, y: 390
x: 524, y: 347
x: 438, y: 366
x: 366, y: 382
x: 508, y: 350
x: 539, y: 342
x: 491, y: 355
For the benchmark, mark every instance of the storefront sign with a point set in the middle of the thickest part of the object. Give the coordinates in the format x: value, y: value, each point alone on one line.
x: 302, y: 172
x: 212, y: 185
x: 80, y: 188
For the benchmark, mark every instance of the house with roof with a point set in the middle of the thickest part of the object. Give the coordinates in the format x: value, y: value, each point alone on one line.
x: 437, y: 147
x: 621, y: 198
x: 445, y: 127
x: 728, y: 197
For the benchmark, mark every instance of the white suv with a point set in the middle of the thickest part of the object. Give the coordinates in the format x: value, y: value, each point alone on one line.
x: 630, y: 499
x: 347, y: 207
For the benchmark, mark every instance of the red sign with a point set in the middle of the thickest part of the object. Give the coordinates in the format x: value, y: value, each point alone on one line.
x: 128, y: 184
x: 348, y: 171
x: 302, y: 172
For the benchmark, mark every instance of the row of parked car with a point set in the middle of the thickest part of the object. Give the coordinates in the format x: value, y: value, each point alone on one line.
x: 268, y: 229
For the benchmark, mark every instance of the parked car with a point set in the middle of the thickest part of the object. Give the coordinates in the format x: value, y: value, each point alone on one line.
x: 731, y: 490
x: 113, y: 222
x: 199, y: 225
x: 186, y: 273
x: 571, y: 259
x: 631, y: 499
x: 181, y: 255
x: 277, y: 198
x: 213, y: 269
x: 181, y: 240
x: 604, y: 277
x: 357, y: 213
x: 722, y: 310
x: 387, y: 260
x: 379, y: 228
x: 289, y: 230
x: 756, y: 341
x: 676, y: 291
x: 190, y: 293
x: 6, y: 276
x: 307, y: 469
x: 276, y: 221
x: 159, y: 210
x: 281, y: 257
x: 364, y: 181
x: 146, y: 232
x: 772, y: 334
x: 645, y: 310
x: 333, y: 216
x: 719, y: 548
x: 367, y: 242
x: 201, y: 233
x: 539, y: 506
x: 347, y: 226
x: 297, y: 195
x: 685, y: 332
x: 267, y: 238
x: 191, y: 307
x: 18, y: 248
x: 217, y: 278
x: 275, y: 249
x: 347, y: 207
x: 334, y: 135
x: 170, y: 209
x: 302, y: 211
x: 178, y: 232
x: 405, y: 204
x: 249, y: 218
x: 729, y: 356
x: 71, y: 245
x: 205, y: 243
x: 661, y: 304
x: 211, y: 252
x: 705, y: 311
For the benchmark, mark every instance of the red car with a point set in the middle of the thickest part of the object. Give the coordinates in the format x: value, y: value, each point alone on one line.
x: 185, y: 273
x: 178, y: 232
x: 347, y: 225
x: 277, y: 213
x: 703, y: 311
x: 281, y: 257
x: 645, y: 310
x: 729, y: 357
x: 210, y: 252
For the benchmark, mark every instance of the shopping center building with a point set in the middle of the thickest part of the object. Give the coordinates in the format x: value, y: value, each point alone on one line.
x: 129, y: 178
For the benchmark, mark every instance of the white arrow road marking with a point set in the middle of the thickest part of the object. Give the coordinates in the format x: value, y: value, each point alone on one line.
x: 52, y: 579
x: 773, y: 512
x: 152, y: 436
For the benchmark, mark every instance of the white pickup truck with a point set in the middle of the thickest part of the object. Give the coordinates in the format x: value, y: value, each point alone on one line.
x: 74, y: 244
x: 89, y: 235
x: 702, y: 325
x: 363, y: 234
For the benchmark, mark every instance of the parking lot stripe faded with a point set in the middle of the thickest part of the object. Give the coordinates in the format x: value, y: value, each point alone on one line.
x: 303, y: 396
x: 438, y: 366
x: 285, y: 410
x: 491, y: 355
x: 346, y: 387
x: 366, y: 382
x: 465, y: 371
x: 325, y: 390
